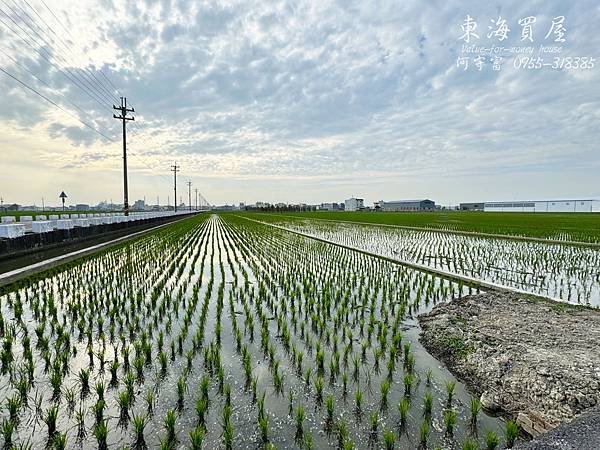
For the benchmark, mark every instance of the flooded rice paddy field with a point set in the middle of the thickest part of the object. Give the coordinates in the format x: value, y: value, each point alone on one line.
x: 219, y: 332
x: 563, y: 272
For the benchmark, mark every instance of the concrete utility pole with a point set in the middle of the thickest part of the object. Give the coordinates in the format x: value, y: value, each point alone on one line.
x: 175, y: 169
x: 196, y: 191
x: 124, y: 110
x: 189, y: 183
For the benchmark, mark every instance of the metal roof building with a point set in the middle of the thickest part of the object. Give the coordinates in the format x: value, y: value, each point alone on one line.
x: 407, y: 205
x: 573, y: 206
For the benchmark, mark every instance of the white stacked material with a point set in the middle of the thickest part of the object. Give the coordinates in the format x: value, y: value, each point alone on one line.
x: 95, y: 221
x: 64, y: 224
x: 74, y: 216
x: 42, y: 226
x: 12, y: 230
x: 8, y: 219
x: 53, y: 217
x: 106, y: 219
x: 40, y: 217
x: 81, y: 222
x: 65, y: 216
x: 26, y: 219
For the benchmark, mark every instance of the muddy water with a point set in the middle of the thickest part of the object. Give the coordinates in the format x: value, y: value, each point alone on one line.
x: 560, y: 271
x: 228, y: 248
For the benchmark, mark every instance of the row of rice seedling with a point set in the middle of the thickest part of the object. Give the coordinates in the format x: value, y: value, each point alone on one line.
x: 221, y: 332
x: 561, y: 271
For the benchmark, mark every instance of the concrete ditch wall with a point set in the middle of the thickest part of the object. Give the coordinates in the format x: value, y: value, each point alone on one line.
x: 33, y: 242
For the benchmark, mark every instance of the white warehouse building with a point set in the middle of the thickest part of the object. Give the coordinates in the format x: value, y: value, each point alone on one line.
x: 354, y: 204
x: 542, y: 206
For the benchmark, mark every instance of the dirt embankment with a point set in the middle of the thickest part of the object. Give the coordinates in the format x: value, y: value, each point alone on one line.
x: 532, y: 359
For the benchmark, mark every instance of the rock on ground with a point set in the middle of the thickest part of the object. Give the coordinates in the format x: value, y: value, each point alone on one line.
x: 535, y: 360
x: 583, y: 433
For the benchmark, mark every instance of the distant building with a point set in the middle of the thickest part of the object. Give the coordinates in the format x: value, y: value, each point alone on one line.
x: 407, y: 205
x: 139, y: 205
x: 330, y: 207
x: 354, y: 204
x: 471, y: 206
x: 82, y: 207
x: 566, y: 206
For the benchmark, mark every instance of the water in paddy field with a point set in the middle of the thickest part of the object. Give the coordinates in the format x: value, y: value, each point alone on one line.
x: 563, y: 272
x: 237, y: 329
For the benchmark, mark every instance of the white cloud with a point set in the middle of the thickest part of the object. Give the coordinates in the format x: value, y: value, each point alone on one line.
x: 344, y: 91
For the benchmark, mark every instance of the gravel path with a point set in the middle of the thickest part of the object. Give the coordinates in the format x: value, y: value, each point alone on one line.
x: 531, y: 359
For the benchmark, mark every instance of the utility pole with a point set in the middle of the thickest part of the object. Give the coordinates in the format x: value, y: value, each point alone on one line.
x: 175, y: 169
x: 196, y: 191
x: 189, y: 183
x: 124, y: 110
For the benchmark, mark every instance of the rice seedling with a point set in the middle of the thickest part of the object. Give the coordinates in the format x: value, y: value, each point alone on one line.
x: 84, y: 381
x: 263, y: 426
x: 181, y: 390
x: 8, y: 428
x: 374, y: 420
x: 492, y: 441
x: 403, y: 408
x: 389, y: 440
x: 427, y: 404
x: 101, y: 435
x: 330, y: 409
x: 228, y: 433
x: 149, y: 400
x: 408, y: 381
x: 13, y: 406
x: 299, y: 422
x: 475, y: 407
x: 59, y: 441
x: 358, y: 402
x: 342, y: 433
x: 196, y: 438
x: 470, y: 444
x: 424, y: 434
x: 511, y: 433
x: 449, y: 421
x: 139, y: 424
x: 385, y: 389
x: 98, y: 410
x: 308, y: 442
x: 450, y: 389
x: 169, y: 425
x: 319, y: 384
x: 50, y: 420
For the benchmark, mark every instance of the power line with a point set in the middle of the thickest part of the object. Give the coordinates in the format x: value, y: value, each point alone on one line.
x: 102, y: 86
x: 25, y: 85
x: 23, y: 67
x: 71, y: 76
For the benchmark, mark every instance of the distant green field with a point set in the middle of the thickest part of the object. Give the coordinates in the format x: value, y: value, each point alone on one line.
x: 583, y: 227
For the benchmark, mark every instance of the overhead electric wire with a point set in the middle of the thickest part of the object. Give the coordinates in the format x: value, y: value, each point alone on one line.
x: 72, y: 80
x: 23, y: 67
x: 35, y: 91
x: 103, y: 87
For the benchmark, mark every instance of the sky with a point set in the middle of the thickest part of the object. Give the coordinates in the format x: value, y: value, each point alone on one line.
x: 299, y: 101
